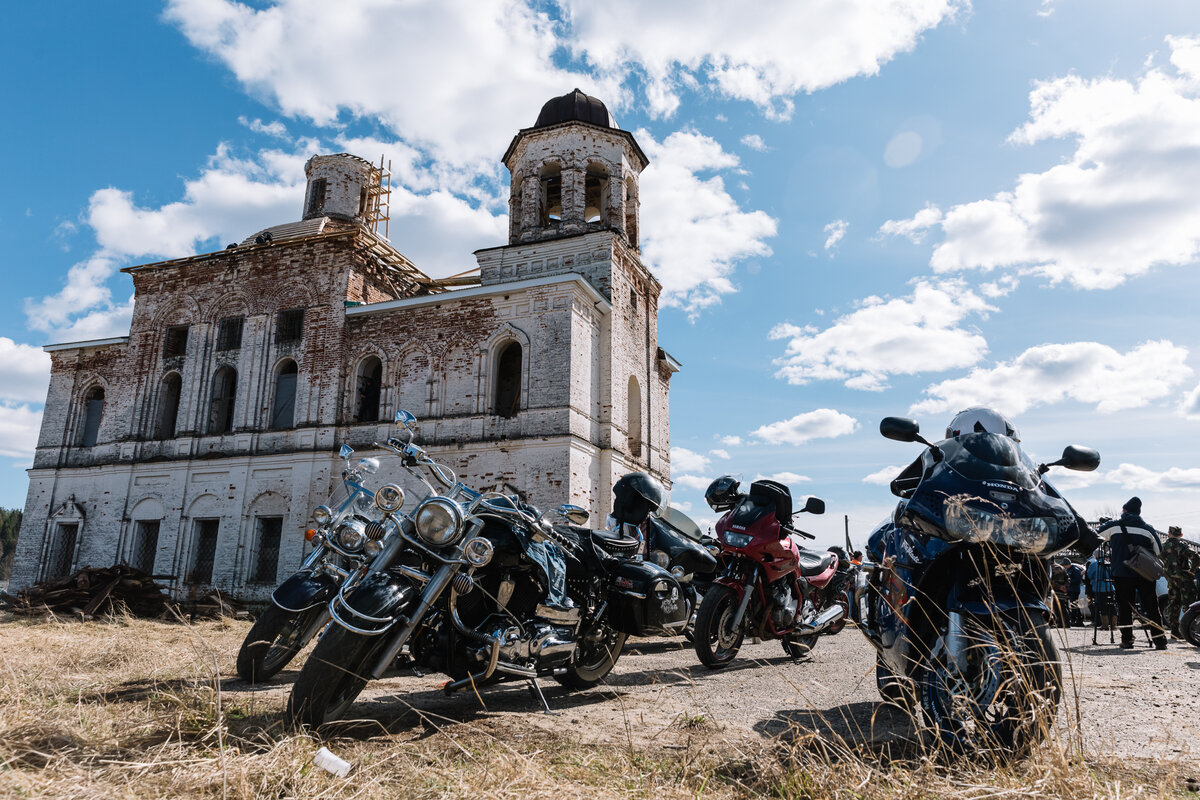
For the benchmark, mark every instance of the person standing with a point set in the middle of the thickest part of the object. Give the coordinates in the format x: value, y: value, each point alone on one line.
x: 1123, y: 533
x: 1180, y: 564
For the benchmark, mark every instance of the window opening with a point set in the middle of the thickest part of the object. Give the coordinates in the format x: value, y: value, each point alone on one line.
x: 631, y: 218
x: 508, y: 381
x: 93, y: 404
x: 266, y: 563
x: 175, y: 343
x: 552, y: 195
x: 316, y: 196
x: 63, y: 552
x: 595, y: 189
x: 145, y: 545
x: 370, y: 378
x: 229, y: 333
x: 168, y: 405
x: 204, y: 551
x: 634, y: 400
x: 289, y: 325
x: 224, y: 390
x: 283, y: 410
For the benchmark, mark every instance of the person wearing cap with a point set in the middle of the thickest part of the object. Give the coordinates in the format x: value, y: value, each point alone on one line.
x: 1123, y: 533
x: 1180, y: 563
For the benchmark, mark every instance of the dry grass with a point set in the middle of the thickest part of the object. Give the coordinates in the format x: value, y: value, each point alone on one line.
x: 133, y: 708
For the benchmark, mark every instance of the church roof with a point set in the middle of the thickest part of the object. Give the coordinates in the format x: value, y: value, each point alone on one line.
x: 575, y: 106
x: 290, y: 230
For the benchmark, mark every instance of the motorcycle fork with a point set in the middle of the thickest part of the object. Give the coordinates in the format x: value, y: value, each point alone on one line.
x: 747, y: 593
x: 956, y: 646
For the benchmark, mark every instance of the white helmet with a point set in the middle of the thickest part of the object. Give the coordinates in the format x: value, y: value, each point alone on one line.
x: 978, y: 419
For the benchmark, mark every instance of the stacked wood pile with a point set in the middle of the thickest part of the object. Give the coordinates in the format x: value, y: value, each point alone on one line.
x: 120, y: 589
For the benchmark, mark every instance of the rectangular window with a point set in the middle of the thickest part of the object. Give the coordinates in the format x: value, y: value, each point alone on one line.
x: 204, y: 551
x: 289, y: 325
x: 316, y: 196
x: 267, y: 560
x: 62, y: 553
x: 176, y: 341
x: 229, y: 333
x: 145, y: 545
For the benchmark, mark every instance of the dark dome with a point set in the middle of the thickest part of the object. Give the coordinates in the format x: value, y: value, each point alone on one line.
x: 575, y: 107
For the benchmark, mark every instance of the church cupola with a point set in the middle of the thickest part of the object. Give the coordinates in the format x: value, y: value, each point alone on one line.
x: 573, y: 172
x: 341, y: 186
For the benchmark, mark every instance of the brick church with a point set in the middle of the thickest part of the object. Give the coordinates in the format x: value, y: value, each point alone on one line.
x: 197, y: 445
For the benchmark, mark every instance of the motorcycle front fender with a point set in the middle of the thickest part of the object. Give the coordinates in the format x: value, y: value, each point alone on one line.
x: 304, y: 590
x: 374, y: 604
x: 995, y: 605
x: 736, y: 586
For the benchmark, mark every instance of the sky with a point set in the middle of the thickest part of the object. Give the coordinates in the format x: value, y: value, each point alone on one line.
x: 857, y: 208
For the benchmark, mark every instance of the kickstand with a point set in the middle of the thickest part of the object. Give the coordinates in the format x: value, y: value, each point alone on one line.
x: 536, y: 691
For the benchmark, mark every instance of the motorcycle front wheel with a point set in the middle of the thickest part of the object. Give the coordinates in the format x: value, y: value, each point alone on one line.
x: 1003, y: 699
x: 332, y: 678
x: 717, y: 643
x: 1189, y: 625
x: 274, y: 639
x: 595, y: 656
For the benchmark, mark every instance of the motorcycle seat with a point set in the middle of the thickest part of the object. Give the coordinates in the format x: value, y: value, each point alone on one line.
x: 610, y: 542
x: 814, y: 563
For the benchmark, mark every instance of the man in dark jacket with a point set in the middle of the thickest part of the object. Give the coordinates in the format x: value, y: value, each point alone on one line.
x: 1122, y: 535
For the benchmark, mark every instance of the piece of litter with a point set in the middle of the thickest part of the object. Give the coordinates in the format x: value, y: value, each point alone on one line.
x: 331, y: 763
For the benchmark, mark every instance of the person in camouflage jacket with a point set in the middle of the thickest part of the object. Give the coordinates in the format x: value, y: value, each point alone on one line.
x: 1180, y: 563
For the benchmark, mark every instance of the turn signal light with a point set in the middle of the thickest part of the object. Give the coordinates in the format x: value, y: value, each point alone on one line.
x: 309, y: 534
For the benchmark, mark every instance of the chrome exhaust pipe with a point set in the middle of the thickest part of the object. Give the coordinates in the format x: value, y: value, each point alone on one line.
x: 824, y: 620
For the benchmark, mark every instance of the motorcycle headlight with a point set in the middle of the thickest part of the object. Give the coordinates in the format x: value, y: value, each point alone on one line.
x: 322, y: 515
x: 389, y: 498
x: 438, y: 521
x: 351, y: 534
x: 737, y: 539
x: 372, y: 548
x: 478, y: 551
x: 972, y: 524
x: 1031, y: 534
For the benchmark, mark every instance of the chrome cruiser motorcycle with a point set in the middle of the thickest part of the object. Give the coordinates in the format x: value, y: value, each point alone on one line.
x: 481, y: 587
x: 952, y: 594
x: 341, y: 546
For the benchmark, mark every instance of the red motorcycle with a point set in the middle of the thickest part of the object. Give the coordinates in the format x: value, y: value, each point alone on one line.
x: 770, y: 586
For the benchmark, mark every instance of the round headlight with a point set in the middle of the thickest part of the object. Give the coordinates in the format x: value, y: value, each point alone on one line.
x: 389, y: 498
x: 351, y: 534
x: 322, y: 515
x: 478, y: 551
x: 438, y: 521
x: 372, y: 548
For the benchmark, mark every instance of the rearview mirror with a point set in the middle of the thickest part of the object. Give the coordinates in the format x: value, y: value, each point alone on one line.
x: 814, y: 505
x: 574, y: 514
x: 345, y: 452
x: 900, y: 429
x: 405, y: 419
x: 1083, y: 459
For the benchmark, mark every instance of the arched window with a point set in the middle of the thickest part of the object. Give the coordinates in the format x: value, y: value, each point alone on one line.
x: 220, y: 409
x: 551, y: 194
x: 508, y: 380
x: 631, y: 214
x: 168, y: 406
x: 283, y: 409
x: 93, y: 406
x: 595, y: 193
x: 366, y: 390
x: 634, y: 406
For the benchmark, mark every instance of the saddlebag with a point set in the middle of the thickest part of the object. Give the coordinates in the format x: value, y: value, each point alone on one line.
x: 646, y: 600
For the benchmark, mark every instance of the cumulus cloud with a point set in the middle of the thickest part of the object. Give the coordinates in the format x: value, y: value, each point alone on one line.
x: 785, y: 477
x: 722, y: 454
x: 823, y: 423
x: 834, y: 232
x: 696, y: 482
x: 754, y: 142
x: 914, y: 229
x: 24, y: 372
x: 899, y: 336
x: 1087, y: 372
x: 1190, y: 405
x: 19, y: 426
x: 1122, y: 204
x: 731, y: 441
x: 883, y: 477
x: 693, y: 230
x: 1133, y: 477
x: 685, y: 460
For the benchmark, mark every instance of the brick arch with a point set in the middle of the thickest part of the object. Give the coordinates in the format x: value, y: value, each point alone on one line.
x: 408, y: 383
x: 181, y: 310
x: 491, y: 354
x: 350, y: 392
x: 289, y: 293
x: 233, y: 303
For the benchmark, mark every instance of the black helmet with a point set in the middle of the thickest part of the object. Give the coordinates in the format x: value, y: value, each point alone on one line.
x: 635, y: 497
x: 722, y: 493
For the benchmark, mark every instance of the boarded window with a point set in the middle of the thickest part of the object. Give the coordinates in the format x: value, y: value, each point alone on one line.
x: 175, y: 343
x: 204, y: 551
x: 62, y: 550
x: 370, y: 377
x: 229, y: 333
x: 283, y: 408
x: 316, y: 196
x: 145, y: 545
x: 634, y: 405
x: 266, y: 561
x: 224, y: 390
x: 168, y: 406
x: 93, y: 411
x: 508, y: 381
x: 289, y: 325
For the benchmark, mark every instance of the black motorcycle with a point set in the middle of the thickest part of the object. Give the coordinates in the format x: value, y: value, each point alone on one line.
x: 953, y: 593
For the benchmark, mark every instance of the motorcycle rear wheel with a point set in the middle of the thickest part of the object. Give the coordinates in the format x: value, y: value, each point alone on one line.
x: 717, y: 644
x: 595, y: 656
x: 1189, y: 626
x: 799, y: 646
x: 331, y: 679
x: 273, y: 641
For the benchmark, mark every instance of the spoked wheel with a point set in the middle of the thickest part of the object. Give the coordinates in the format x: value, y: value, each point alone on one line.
x: 332, y: 678
x: 595, y: 656
x: 799, y: 646
x: 274, y: 639
x: 1189, y: 625
x: 1001, y: 694
x: 717, y: 642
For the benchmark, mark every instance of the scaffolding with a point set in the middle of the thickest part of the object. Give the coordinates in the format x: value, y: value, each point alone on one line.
x: 379, y: 197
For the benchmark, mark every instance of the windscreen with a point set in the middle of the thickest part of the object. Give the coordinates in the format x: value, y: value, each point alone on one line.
x: 989, y: 456
x: 751, y: 509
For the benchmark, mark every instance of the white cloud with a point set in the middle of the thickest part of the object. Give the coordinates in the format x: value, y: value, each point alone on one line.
x: 785, y: 477
x: 724, y: 454
x: 1133, y: 477
x: 755, y: 142
x: 834, y: 232
x: 276, y: 128
x: 84, y: 307
x: 19, y: 426
x: 696, y: 482
x: 1087, y: 372
x: 823, y: 423
x: 24, y: 372
x: 1122, y: 204
x: 914, y: 229
x: 1190, y: 405
x: 731, y: 441
x: 883, y: 477
x: 685, y: 460
x: 693, y: 231
x: 898, y: 336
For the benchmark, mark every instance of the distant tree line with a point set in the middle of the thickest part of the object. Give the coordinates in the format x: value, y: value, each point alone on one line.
x: 10, y: 524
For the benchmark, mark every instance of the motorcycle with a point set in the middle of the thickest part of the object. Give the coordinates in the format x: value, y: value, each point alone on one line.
x: 674, y: 542
x: 462, y: 586
x: 341, y: 546
x: 952, y: 592
x: 769, y: 584
x: 1189, y: 624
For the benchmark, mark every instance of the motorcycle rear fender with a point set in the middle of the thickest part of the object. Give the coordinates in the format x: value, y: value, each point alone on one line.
x: 304, y: 590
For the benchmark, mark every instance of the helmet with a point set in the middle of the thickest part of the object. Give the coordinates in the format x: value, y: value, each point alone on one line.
x: 635, y: 497
x: 978, y: 419
x: 722, y: 493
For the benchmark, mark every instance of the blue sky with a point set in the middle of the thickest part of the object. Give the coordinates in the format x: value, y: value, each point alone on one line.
x: 856, y: 208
